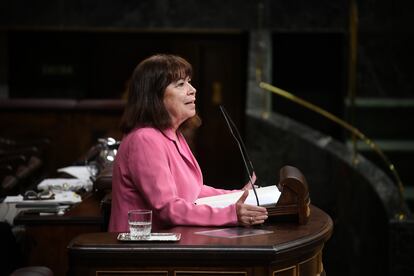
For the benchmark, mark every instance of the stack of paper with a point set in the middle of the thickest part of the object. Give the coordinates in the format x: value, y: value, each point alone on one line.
x: 80, y: 172
x: 267, y: 196
x: 61, y: 198
x: 64, y: 184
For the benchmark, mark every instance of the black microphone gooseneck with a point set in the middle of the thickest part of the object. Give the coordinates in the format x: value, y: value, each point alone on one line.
x: 236, y: 135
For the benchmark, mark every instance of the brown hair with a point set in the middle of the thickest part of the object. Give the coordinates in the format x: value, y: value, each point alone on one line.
x: 145, y: 105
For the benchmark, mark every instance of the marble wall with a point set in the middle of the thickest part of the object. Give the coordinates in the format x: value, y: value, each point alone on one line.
x: 360, y: 198
x: 244, y: 14
x: 385, y: 35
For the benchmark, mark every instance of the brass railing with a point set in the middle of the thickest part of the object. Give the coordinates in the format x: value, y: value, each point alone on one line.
x: 353, y: 130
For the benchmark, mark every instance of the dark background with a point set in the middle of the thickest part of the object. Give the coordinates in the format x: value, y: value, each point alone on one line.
x: 85, y: 50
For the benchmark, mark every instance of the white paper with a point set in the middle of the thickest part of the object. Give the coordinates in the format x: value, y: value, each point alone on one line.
x: 152, y: 237
x: 80, y: 172
x: 64, y: 197
x: 267, y: 196
x: 65, y: 184
x: 13, y: 199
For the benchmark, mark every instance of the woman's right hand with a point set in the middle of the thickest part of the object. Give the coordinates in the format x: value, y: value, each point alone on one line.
x: 247, y: 214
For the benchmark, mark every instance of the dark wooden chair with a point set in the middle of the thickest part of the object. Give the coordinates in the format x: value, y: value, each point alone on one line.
x: 33, y: 271
x: 21, y: 163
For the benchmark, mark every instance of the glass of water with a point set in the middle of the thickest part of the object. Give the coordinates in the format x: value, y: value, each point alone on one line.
x: 139, y: 224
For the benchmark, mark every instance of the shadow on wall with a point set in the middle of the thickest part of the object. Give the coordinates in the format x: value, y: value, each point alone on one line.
x: 361, y: 200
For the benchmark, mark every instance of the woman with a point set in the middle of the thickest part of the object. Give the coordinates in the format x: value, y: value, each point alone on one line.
x: 154, y: 167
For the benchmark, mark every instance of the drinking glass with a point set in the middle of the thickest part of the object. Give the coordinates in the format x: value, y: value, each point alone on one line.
x: 139, y: 224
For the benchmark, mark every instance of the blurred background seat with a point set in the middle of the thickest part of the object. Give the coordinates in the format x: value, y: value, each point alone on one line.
x: 33, y: 271
x: 21, y: 164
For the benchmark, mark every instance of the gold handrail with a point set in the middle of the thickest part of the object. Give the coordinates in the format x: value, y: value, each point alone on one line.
x: 287, y: 95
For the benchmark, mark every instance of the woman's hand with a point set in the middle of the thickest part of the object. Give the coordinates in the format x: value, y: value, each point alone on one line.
x: 248, y: 215
x: 248, y: 185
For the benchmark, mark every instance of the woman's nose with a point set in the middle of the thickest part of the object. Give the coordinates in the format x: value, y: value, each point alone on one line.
x: 191, y: 89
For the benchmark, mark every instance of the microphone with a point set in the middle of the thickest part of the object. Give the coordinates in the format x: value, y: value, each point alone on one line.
x: 246, y: 160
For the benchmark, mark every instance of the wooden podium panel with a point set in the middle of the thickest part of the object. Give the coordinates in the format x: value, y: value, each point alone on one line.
x: 47, y: 236
x: 292, y: 249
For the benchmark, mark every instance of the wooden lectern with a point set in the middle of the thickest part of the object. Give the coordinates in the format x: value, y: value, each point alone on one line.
x: 290, y: 249
x: 293, y: 203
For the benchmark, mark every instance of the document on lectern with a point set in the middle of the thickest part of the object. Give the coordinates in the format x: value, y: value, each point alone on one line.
x: 234, y: 232
x: 267, y: 196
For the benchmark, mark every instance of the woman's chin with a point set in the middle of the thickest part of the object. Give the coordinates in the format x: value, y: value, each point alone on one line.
x: 192, y: 112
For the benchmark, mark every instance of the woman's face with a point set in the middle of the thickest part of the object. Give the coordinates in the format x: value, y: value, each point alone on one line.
x: 179, y: 100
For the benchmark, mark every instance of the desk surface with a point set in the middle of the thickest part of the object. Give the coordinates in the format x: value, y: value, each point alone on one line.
x: 86, y: 212
x: 287, y: 240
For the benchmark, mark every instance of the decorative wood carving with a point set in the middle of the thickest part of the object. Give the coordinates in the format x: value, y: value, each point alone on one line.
x: 294, y: 199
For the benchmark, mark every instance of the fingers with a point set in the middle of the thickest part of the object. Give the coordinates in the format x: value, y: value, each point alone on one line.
x: 254, y: 178
x: 255, y: 208
x: 257, y: 216
x: 250, y: 214
x: 251, y: 182
x: 256, y: 220
x: 253, y: 220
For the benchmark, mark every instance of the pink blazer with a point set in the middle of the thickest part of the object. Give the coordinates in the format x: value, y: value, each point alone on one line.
x: 153, y: 170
